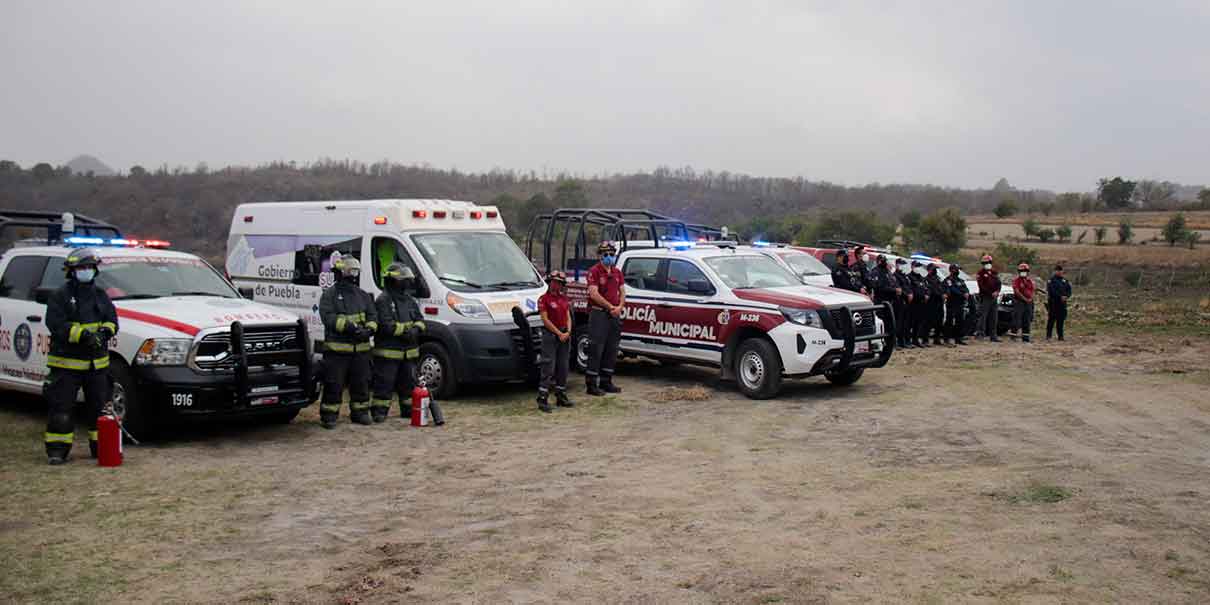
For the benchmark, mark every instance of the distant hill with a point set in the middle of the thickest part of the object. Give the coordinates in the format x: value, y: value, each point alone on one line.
x: 83, y: 164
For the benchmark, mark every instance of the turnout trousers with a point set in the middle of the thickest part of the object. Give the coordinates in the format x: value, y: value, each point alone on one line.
x: 393, y: 377
x: 60, y: 391
x: 342, y: 370
x: 554, y: 363
x: 604, y: 333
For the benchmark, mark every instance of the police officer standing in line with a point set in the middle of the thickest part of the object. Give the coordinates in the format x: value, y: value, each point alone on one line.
x: 919, y: 309
x: 956, y: 297
x: 886, y: 289
x: 606, y: 299
x: 397, y: 344
x: 935, y: 312
x: 81, y: 320
x: 906, y: 297
x: 1023, y: 302
x: 1058, y: 290
x: 844, y: 277
x: 861, y: 261
x: 989, y: 299
x: 555, y: 309
x: 350, y: 320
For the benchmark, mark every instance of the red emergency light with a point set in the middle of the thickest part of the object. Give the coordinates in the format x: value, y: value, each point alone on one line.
x: 420, y: 214
x: 155, y: 243
x: 492, y: 214
x: 380, y: 220
x: 475, y: 214
x: 438, y: 214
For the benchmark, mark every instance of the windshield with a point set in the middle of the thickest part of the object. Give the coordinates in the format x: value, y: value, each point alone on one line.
x: 740, y: 272
x: 153, y: 277
x: 805, y: 264
x: 473, y: 261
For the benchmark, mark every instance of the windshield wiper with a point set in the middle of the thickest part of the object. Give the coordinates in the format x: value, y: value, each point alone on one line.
x: 199, y: 293
x: 136, y: 296
x: 501, y: 284
x: 458, y: 280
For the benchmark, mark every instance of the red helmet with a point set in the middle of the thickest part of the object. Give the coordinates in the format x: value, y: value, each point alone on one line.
x: 987, y: 258
x: 556, y: 276
x: 1023, y: 267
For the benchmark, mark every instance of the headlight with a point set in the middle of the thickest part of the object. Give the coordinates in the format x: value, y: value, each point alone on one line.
x: 803, y: 317
x: 467, y: 307
x: 163, y: 352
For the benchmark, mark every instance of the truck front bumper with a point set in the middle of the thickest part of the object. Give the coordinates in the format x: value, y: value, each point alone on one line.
x: 180, y: 391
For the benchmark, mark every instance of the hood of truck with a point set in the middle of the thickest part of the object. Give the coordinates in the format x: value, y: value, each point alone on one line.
x: 176, y: 316
x: 802, y: 297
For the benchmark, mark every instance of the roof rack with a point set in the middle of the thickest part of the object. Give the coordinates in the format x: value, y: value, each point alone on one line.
x: 56, y: 224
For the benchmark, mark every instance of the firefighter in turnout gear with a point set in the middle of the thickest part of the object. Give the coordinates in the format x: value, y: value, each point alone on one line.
x: 606, y: 299
x: 935, y: 311
x: 556, y: 341
x: 397, y: 345
x: 956, y: 297
x: 81, y: 320
x: 350, y: 321
x: 919, y: 309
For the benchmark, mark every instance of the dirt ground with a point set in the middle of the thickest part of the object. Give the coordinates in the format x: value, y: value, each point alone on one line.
x: 1050, y: 473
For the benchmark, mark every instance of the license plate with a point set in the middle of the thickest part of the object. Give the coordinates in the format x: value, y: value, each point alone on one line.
x: 265, y: 389
x: 862, y: 347
x: 264, y: 401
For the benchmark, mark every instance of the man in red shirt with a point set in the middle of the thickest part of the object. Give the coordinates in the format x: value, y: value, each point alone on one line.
x: 606, y: 299
x: 1023, y: 302
x: 556, y: 336
x: 989, y: 298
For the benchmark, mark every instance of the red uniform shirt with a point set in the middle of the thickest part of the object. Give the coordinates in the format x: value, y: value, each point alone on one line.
x: 1024, y: 288
x: 608, y: 281
x: 556, y: 306
x: 989, y: 281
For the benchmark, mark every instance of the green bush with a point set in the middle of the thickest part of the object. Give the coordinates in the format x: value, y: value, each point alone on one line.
x: 1099, y: 233
x: 1125, y: 231
x: 857, y: 225
x: 1011, y: 254
x: 1174, y: 231
x: 1134, y: 278
x: 1046, y: 235
x: 1006, y: 208
x: 1064, y: 232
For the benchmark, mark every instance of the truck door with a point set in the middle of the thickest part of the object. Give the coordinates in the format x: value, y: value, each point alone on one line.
x: 644, y: 295
x: 24, y: 339
x: 690, y: 320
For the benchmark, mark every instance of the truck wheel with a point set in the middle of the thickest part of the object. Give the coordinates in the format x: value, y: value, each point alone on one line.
x: 126, y: 404
x: 579, y: 348
x: 435, y: 368
x: 845, y: 378
x: 758, y: 368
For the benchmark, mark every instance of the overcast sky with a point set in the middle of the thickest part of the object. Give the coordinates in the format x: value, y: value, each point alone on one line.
x: 1048, y: 94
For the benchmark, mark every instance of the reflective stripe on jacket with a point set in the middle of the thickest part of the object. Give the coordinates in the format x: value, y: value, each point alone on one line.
x: 71, y: 311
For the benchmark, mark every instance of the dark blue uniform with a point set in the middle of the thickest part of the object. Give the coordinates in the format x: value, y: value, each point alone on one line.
x: 955, y: 305
x: 1058, y: 290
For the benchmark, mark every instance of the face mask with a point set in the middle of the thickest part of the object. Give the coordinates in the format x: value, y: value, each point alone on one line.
x: 987, y: 266
x: 1023, y: 273
x: 86, y: 275
x: 555, y: 287
x: 352, y: 277
x: 899, y: 268
x: 609, y: 259
x: 865, y: 258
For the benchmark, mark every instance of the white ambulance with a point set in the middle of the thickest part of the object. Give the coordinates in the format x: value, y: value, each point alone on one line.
x: 470, y: 275
x: 188, y: 345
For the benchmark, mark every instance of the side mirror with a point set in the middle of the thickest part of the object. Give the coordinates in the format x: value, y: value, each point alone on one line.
x: 700, y: 286
x: 42, y: 295
x: 247, y: 292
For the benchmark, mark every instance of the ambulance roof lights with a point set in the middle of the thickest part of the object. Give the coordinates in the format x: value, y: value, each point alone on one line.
x: 116, y: 242
x: 439, y: 214
x: 155, y: 243
x: 476, y: 214
x: 380, y: 220
x: 420, y: 214
x: 492, y: 214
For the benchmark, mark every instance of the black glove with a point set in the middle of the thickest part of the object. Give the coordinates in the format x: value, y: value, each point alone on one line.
x: 364, y: 334
x: 94, y: 341
x: 106, y: 334
x: 414, y: 334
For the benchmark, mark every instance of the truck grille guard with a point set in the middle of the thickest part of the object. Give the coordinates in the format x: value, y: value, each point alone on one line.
x: 884, y: 312
x: 246, y: 357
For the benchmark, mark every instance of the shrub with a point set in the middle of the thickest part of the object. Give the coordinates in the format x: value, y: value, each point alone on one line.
x: 1174, y: 230
x: 1006, y: 208
x: 1099, y: 233
x: 1134, y: 278
x: 1030, y: 226
x: 1046, y: 235
x: 1192, y: 238
x: 1064, y: 232
x: 1011, y: 254
x: 1125, y: 231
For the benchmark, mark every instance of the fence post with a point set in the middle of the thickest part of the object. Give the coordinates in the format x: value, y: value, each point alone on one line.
x: 1171, y: 277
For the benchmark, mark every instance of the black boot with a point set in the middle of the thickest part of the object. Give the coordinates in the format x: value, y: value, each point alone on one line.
x: 328, y: 421
x: 592, y: 388
x: 361, y: 417
x: 92, y: 449
x: 56, y: 459
x: 378, y: 414
x: 608, y: 386
x: 562, y: 401
x: 543, y: 404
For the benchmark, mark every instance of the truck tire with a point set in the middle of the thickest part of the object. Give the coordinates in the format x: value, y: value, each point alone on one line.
x: 758, y: 369
x: 438, y: 371
x: 579, y: 347
x: 845, y: 378
x: 126, y: 403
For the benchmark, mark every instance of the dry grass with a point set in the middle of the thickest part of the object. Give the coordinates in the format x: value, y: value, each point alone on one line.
x: 1149, y: 255
x: 1197, y: 219
x: 681, y: 394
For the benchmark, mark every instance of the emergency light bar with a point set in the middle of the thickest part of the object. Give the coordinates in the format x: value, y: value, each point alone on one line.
x: 116, y: 242
x: 680, y: 245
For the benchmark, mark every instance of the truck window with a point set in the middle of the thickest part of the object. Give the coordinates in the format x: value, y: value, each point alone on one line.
x: 54, y: 276
x: 388, y: 250
x: 22, y: 275
x: 643, y: 273
x: 680, y: 272
x: 313, y: 256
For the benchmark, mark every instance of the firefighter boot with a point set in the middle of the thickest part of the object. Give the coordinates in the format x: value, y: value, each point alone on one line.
x: 593, y: 389
x: 361, y: 417
x: 561, y: 399
x: 608, y: 386
x: 543, y: 404
x: 378, y: 414
x: 328, y: 421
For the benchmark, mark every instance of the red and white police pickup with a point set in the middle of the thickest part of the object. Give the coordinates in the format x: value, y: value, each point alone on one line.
x: 720, y: 305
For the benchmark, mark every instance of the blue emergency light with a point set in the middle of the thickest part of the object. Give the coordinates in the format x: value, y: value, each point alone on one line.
x: 77, y: 240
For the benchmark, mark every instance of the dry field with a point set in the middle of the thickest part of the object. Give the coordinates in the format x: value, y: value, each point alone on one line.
x: 1195, y: 220
x: 1150, y: 255
x: 1054, y: 473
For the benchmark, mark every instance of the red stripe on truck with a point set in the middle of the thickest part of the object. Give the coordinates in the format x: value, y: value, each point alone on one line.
x: 164, y: 322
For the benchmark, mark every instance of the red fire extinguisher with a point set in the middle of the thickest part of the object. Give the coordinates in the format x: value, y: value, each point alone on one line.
x: 109, y: 441
x: 420, y: 405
